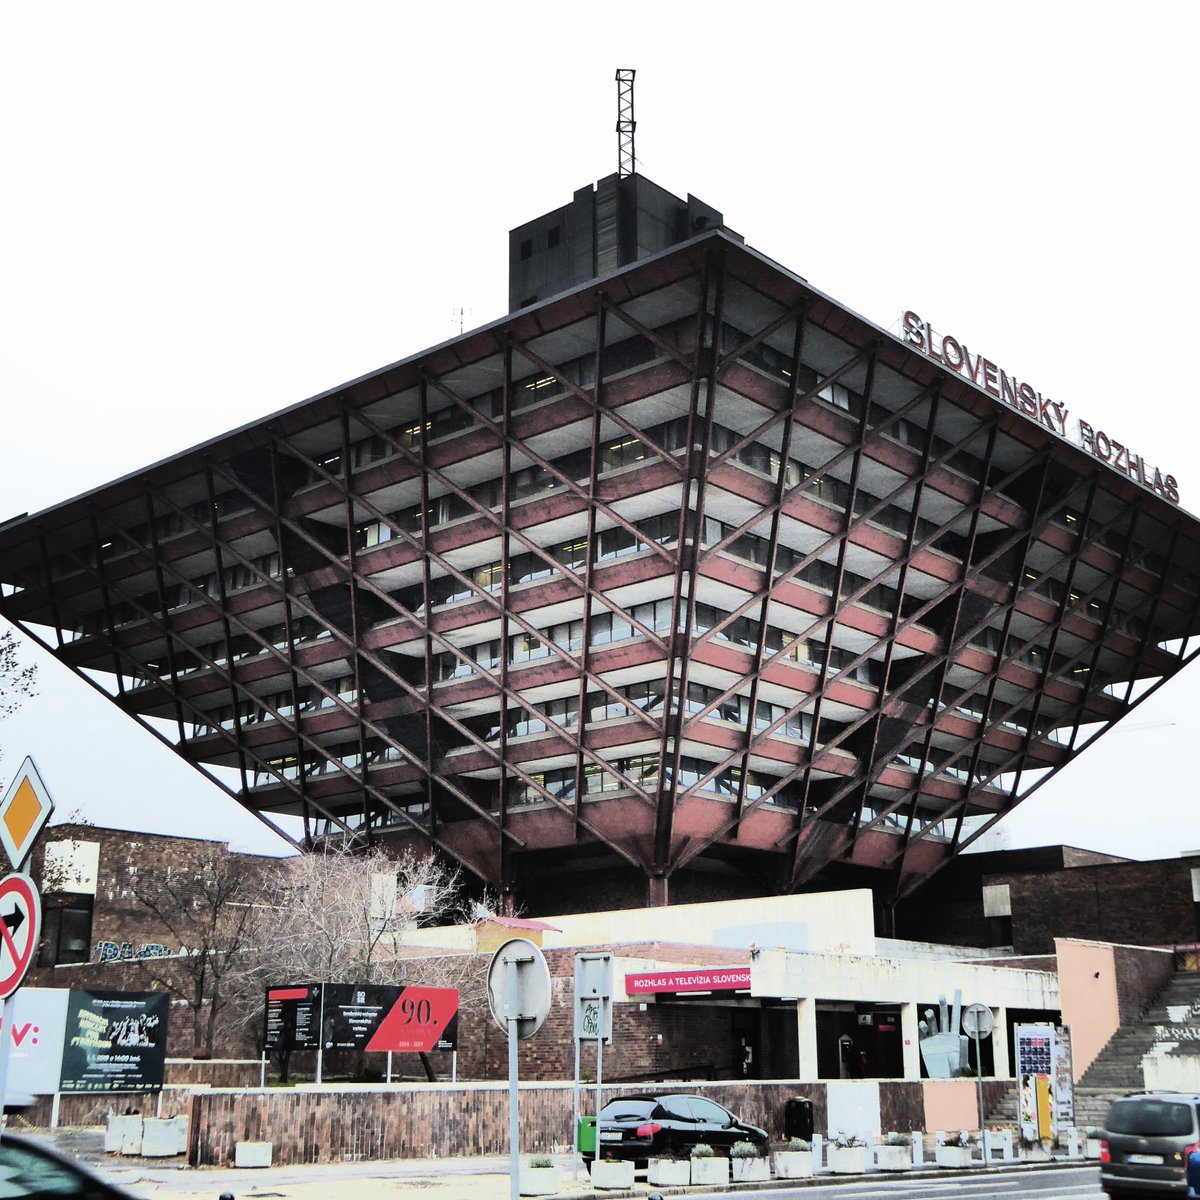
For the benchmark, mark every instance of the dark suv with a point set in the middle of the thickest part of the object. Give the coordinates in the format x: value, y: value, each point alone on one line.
x: 1147, y: 1140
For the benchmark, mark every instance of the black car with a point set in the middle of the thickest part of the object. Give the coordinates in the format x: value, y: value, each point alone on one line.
x: 652, y: 1125
x: 1147, y: 1140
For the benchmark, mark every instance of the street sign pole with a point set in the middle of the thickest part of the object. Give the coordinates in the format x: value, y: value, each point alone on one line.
x: 578, y: 1111
x: 593, y: 1020
x: 5, y: 1042
x: 977, y: 1023
x: 321, y: 1035
x: 25, y: 807
x: 979, y: 1086
x: 20, y: 925
x: 599, y: 1097
x: 514, y: 1124
x: 518, y: 987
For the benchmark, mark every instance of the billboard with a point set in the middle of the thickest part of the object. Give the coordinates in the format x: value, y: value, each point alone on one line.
x: 353, y: 1012
x: 36, y: 1021
x: 293, y: 1015
x: 1046, y: 1101
x: 361, y: 1016
x: 114, y: 1042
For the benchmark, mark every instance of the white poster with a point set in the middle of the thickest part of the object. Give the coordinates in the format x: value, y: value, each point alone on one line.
x: 37, y: 1020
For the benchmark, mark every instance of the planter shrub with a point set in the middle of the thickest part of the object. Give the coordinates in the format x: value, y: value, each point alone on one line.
x: 793, y: 1164
x: 847, y: 1160
x: 539, y: 1177
x: 668, y: 1172
x: 612, y: 1173
x: 711, y: 1171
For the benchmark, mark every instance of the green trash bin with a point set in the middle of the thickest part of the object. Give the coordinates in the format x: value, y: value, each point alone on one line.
x: 587, y: 1135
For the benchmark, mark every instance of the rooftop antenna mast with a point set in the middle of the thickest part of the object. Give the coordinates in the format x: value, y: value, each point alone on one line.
x: 626, y: 162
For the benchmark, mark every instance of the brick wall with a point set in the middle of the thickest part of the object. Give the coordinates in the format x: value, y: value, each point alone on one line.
x: 1141, y: 975
x: 344, y: 1124
x: 1132, y: 903
x: 121, y: 920
x: 118, y: 916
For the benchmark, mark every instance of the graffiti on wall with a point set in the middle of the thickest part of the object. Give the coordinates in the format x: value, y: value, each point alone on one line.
x: 128, y: 951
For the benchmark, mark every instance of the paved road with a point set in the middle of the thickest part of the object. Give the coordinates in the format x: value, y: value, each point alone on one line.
x: 487, y: 1179
x: 1049, y: 1183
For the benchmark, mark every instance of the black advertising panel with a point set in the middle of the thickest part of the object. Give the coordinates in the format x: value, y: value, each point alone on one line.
x: 115, y: 1042
x: 292, y: 1016
x: 353, y: 1012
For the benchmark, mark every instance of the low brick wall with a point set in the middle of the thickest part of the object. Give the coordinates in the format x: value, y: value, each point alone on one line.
x: 181, y: 1077
x: 337, y: 1124
x: 84, y: 1109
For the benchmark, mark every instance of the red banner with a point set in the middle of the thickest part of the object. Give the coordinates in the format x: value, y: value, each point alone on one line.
x: 418, y: 1019
x: 719, y: 979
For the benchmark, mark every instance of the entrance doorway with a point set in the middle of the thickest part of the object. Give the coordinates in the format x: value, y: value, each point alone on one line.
x: 859, y: 1041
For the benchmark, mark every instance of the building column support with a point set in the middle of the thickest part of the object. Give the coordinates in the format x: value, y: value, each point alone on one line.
x: 657, y: 891
x: 910, y: 1038
x: 806, y: 1038
x: 1000, y: 1068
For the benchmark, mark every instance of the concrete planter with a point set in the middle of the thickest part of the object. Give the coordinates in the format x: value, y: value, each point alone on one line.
x: 1036, y: 1152
x: 710, y: 1171
x: 793, y: 1164
x: 612, y: 1173
x: 750, y: 1170
x: 252, y: 1154
x: 668, y: 1172
x: 123, y: 1134
x: 164, y: 1138
x: 893, y: 1158
x: 847, y: 1160
x: 539, y: 1181
x: 953, y: 1156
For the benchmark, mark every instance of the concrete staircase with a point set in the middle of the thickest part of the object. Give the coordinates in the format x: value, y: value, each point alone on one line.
x: 1117, y: 1069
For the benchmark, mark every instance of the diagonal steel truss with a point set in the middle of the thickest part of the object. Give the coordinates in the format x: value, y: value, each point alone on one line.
x: 847, y: 778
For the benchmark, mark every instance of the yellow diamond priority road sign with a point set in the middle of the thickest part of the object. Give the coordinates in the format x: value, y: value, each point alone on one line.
x: 23, y: 811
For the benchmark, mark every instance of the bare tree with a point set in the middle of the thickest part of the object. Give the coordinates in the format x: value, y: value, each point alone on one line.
x: 213, y: 911
x: 16, y: 680
x: 333, y: 915
x: 350, y: 916
x: 346, y: 914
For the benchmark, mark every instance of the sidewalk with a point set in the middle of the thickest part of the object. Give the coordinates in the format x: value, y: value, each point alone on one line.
x: 427, y: 1179
x: 411, y: 1179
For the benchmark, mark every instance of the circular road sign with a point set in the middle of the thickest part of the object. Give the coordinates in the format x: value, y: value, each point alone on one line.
x: 977, y: 1021
x: 532, y: 986
x: 20, y: 924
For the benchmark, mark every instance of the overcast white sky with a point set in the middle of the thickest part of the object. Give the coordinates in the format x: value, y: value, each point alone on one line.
x: 209, y: 212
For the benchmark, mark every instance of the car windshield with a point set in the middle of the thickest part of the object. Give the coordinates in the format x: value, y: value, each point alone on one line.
x: 626, y: 1110
x: 1151, y: 1118
x: 27, y: 1171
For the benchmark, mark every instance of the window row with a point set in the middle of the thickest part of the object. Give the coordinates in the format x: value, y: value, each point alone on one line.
x: 308, y: 699
x: 644, y: 772
x: 649, y: 697
x: 609, y: 627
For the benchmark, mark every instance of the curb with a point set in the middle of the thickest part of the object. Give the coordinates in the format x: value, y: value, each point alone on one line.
x: 825, y: 1178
